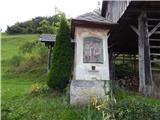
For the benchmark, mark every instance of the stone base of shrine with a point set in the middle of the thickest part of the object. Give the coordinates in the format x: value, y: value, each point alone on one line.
x: 81, y: 91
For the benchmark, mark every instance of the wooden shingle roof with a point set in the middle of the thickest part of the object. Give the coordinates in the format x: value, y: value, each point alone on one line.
x: 92, y: 20
x: 93, y: 17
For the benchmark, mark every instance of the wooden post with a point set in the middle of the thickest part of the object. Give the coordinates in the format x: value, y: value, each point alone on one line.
x: 135, y: 68
x: 111, y: 65
x: 49, y: 57
x: 144, y: 56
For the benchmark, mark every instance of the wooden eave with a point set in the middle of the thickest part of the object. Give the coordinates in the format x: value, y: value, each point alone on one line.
x: 136, y: 7
x: 123, y: 37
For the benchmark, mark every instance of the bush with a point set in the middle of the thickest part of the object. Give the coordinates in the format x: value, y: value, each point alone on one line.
x: 60, y: 72
x: 27, y: 47
x: 128, y: 106
x: 38, y: 89
x: 136, y: 110
x: 34, y: 60
x: 129, y: 109
x: 16, y: 60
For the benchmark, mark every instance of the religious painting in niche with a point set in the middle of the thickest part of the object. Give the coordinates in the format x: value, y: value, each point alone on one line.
x: 92, y: 50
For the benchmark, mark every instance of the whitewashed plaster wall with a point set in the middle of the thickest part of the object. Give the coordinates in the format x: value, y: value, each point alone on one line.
x: 83, y: 71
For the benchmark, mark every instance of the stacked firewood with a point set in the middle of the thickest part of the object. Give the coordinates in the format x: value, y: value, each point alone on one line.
x: 129, y: 82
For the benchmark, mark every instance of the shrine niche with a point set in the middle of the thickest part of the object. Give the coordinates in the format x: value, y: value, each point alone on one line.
x: 91, y: 60
x: 92, y: 50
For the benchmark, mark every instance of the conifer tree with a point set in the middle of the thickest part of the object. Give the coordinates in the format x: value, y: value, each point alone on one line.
x: 60, y: 72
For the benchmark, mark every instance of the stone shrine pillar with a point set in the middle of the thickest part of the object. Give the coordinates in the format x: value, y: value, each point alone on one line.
x: 91, y: 62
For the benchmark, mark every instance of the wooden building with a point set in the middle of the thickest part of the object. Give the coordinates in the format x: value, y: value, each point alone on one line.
x: 138, y: 33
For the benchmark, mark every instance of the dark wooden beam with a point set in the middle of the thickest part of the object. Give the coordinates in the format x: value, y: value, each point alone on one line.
x: 148, y: 10
x: 145, y: 75
x: 49, y: 58
x: 154, y: 29
x: 153, y: 19
x: 111, y: 65
x: 135, y: 29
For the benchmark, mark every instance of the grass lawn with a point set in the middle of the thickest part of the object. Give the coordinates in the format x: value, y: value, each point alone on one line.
x: 19, y: 104
x: 13, y: 86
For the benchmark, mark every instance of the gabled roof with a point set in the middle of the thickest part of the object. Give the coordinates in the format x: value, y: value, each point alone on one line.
x: 93, y: 17
x: 47, y: 38
x: 91, y: 20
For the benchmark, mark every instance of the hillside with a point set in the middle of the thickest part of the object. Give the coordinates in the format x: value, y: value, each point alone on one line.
x: 25, y: 95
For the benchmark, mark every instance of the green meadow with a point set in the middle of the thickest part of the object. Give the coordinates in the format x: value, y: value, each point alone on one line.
x: 25, y: 95
x: 20, y: 101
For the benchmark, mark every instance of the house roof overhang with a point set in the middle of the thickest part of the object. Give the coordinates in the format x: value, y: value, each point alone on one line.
x: 123, y: 37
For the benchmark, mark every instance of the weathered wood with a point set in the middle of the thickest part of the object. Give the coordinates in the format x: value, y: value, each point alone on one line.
x: 154, y: 29
x: 151, y: 26
x: 156, y: 47
x: 135, y: 29
x: 155, y: 69
x: 157, y: 32
x: 149, y: 10
x: 155, y: 40
x: 116, y: 10
x: 156, y: 83
x: 155, y: 54
x: 49, y: 57
x: 153, y: 19
x: 144, y: 56
x: 155, y: 61
x: 111, y: 65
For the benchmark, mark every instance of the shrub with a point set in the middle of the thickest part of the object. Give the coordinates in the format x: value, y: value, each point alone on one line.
x: 32, y: 59
x: 27, y: 47
x: 37, y: 89
x: 136, y: 110
x: 60, y: 72
x: 128, y: 106
x: 16, y: 60
x: 128, y: 109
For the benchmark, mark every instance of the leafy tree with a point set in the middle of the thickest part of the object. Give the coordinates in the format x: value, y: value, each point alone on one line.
x: 29, y: 27
x: 15, y: 28
x: 35, y: 22
x: 62, y: 58
x: 44, y: 27
x: 56, y: 21
x: 37, y: 25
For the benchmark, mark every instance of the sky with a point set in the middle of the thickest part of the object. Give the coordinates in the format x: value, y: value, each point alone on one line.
x: 12, y: 11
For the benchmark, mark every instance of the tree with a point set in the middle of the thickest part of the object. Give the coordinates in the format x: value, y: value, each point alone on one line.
x: 44, y: 27
x: 60, y: 72
x: 56, y: 20
x: 29, y: 27
x: 14, y: 29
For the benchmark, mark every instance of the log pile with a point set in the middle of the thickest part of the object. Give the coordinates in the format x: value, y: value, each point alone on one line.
x: 129, y: 82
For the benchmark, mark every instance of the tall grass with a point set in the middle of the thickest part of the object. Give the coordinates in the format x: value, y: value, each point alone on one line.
x: 19, y: 102
x: 25, y: 96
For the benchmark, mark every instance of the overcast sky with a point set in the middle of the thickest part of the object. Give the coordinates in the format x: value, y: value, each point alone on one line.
x: 12, y: 11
